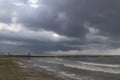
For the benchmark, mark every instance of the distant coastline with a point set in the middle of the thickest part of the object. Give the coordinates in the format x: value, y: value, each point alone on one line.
x: 55, y: 56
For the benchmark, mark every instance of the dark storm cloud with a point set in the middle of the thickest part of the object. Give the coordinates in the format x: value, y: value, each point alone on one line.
x: 59, y: 16
x: 82, y: 23
x: 102, y: 14
x: 16, y: 46
x: 105, y: 15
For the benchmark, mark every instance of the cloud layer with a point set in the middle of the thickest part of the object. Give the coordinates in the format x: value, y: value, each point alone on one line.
x: 45, y: 26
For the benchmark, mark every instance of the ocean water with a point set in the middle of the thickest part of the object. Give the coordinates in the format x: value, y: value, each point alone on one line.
x: 90, y: 68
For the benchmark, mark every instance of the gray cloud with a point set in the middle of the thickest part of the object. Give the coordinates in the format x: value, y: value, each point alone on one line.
x: 53, y: 25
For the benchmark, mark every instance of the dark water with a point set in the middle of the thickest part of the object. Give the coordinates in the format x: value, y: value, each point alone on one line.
x: 100, y: 68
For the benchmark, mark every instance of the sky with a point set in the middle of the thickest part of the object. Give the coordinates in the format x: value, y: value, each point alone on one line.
x: 60, y: 26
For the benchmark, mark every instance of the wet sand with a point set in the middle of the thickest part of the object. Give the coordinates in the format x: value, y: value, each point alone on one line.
x: 12, y: 69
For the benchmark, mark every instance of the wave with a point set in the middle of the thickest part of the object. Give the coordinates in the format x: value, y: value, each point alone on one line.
x: 44, y: 67
x: 107, y: 68
x: 94, y: 68
x: 61, y: 67
x: 102, y: 65
x: 74, y: 76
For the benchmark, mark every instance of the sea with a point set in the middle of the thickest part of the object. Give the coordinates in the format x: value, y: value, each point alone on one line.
x: 86, y: 68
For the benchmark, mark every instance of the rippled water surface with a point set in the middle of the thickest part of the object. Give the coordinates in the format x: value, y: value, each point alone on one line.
x: 100, y: 68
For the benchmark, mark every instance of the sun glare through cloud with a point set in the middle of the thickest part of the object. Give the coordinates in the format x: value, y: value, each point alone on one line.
x: 34, y: 3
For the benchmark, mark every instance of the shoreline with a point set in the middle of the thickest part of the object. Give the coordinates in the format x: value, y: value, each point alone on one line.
x: 34, y: 74
x: 14, y: 69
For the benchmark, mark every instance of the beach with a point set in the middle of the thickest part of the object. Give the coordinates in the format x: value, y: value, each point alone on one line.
x: 89, y: 68
x: 13, y: 69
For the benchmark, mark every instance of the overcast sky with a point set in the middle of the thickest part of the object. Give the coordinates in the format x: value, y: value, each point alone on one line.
x: 60, y: 26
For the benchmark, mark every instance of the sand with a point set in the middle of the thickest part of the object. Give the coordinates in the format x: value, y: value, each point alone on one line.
x: 12, y: 69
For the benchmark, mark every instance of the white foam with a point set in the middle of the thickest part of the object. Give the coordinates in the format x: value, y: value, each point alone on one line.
x: 94, y: 68
x: 107, y: 68
x: 47, y: 68
x: 73, y: 76
x: 21, y: 64
x: 51, y: 61
x: 102, y: 65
